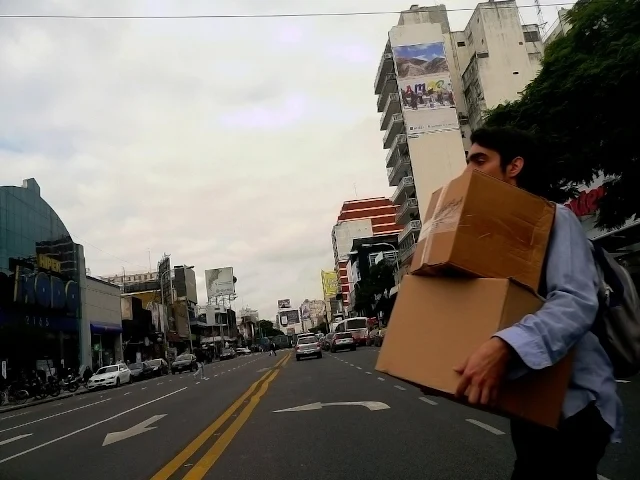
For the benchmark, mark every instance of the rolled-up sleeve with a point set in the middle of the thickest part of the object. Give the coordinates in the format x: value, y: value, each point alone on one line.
x: 545, y: 337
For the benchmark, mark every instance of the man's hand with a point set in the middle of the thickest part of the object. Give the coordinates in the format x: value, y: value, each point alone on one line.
x: 483, y: 372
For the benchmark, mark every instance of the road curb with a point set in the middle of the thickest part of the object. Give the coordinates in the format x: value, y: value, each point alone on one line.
x: 11, y: 408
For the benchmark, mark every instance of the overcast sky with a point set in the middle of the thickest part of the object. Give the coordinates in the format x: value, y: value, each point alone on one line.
x: 224, y: 142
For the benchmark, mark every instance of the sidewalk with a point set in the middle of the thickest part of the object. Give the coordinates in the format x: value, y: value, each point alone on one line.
x: 32, y: 402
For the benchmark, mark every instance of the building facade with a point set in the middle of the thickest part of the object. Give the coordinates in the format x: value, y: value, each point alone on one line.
x: 101, y: 307
x: 360, y: 219
x: 433, y: 87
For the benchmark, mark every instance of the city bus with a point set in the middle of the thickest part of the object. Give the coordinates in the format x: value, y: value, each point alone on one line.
x: 357, y: 326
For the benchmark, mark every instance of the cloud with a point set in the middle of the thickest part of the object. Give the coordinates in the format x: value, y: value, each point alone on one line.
x: 219, y: 141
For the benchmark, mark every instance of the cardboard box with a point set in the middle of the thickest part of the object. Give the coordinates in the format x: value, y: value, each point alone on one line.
x: 481, y: 226
x: 438, y: 322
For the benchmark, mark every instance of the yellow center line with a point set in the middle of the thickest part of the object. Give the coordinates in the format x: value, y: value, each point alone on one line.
x: 200, y: 469
x: 180, y: 459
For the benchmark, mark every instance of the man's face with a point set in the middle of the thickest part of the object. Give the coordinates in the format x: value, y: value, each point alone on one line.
x: 488, y: 161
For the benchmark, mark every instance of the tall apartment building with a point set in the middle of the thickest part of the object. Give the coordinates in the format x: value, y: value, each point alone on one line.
x: 433, y: 87
x: 360, y: 219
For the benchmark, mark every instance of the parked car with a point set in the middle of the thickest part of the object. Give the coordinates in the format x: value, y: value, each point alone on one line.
x: 343, y: 341
x: 326, y: 341
x: 242, y: 351
x: 110, y: 376
x: 184, y: 362
x: 227, y: 354
x: 139, y: 371
x: 308, y: 347
x: 157, y: 367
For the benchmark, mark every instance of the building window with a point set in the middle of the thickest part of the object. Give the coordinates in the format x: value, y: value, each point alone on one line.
x: 482, y: 54
x: 461, y: 44
x: 532, y: 36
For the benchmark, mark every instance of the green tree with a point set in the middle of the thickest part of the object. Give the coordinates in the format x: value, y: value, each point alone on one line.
x: 380, y: 279
x: 267, y: 329
x: 583, y: 107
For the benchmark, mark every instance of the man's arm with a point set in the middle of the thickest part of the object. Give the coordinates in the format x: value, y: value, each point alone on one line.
x: 545, y: 337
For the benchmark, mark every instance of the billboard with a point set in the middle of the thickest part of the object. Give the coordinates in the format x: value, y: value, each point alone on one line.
x: 284, y: 304
x: 305, y: 310
x: 164, y: 278
x: 219, y: 282
x: 329, y: 283
x: 290, y: 316
x: 424, y: 86
x: 184, y: 283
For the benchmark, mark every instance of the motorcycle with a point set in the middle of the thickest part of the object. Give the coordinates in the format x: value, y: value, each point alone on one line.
x: 71, y: 383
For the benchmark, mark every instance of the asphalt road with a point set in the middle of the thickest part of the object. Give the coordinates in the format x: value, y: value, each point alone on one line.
x: 229, y: 426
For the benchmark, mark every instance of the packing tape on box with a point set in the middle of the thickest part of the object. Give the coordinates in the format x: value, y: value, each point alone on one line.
x: 445, y: 218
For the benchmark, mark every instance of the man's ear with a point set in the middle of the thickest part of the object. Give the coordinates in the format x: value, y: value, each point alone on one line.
x: 515, y: 167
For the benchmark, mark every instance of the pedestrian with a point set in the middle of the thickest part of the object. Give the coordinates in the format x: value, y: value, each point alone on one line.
x: 199, y: 363
x: 272, y: 349
x: 592, y: 412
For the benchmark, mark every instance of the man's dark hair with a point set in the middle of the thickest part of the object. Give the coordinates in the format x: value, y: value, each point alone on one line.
x: 511, y: 143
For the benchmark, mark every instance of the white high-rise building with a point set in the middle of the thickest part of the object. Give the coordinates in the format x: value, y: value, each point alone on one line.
x: 433, y: 87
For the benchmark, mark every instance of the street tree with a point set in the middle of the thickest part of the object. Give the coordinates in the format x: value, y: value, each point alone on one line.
x: 583, y: 107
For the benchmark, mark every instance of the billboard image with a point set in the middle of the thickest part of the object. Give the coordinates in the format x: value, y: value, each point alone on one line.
x: 284, y: 304
x: 284, y: 321
x: 305, y: 310
x: 164, y: 277
x: 329, y: 283
x: 425, y: 89
x: 184, y: 283
x: 290, y: 316
x: 219, y: 282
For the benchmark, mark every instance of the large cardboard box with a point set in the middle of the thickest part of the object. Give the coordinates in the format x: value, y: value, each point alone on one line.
x: 438, y: 322
x: 481, y: 226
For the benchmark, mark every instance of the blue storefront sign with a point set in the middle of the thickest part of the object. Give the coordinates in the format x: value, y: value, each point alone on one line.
x: 48, y: 322
x: 105, y: 327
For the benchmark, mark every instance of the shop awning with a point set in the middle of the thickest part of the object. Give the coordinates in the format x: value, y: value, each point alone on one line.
x: 103, y: 327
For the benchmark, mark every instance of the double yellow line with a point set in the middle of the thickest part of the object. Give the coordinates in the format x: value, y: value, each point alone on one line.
x: 199, y: 470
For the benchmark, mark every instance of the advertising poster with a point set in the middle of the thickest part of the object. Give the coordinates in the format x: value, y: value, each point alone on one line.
x: 291, y: 317
x: 219, y: 282
x: 424, y: 87
x: 284, y: 304
x: 305, y: 311
x: 329, y: 283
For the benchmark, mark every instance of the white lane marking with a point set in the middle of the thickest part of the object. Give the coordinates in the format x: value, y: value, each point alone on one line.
x: 37, y: 447
x: 488, y: 428
x: 127, y: 393
x: 14, y: 415
x: 169, y: 379
x: 216, y: 375
x: 399, y: 387
x: 160, y: 383
x: 381, y: 379
x: 197, y: 383
x: 623, y: 381
x: 318, y: 405
x: 57, y: 404
x: 427, y: 400
x: 143, y: 388
x: 53, y: 416
x: 602, y: 477
x: 368, y: 373
x: 142, y: 427
x: 359, y: 368
x: 9, y: 440
x: 351, y: 365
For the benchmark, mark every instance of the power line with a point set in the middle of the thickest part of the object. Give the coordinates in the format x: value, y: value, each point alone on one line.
x: 267, y: 15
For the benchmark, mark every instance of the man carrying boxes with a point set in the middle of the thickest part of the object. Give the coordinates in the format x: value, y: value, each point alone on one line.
x: 485, y: 336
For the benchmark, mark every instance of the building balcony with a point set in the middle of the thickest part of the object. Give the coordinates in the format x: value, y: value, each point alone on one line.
x: 396, y: 126
x: 407, y: 253
x: 391, y: 108
x: 406, y: 188
x: 413, y: 226
x: 398, y: 148
x: 390, y: 86
x: 385, y: 67
x: 409, y: 207
x: 399, y: 171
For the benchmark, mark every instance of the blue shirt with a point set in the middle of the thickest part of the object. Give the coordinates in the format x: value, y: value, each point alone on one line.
x: 565, y: 320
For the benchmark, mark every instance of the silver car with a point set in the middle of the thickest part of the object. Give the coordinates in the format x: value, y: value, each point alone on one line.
x: 308, y: 347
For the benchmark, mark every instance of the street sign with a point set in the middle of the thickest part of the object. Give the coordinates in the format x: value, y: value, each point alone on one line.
x: 133, y: 431
x: 318, y: 405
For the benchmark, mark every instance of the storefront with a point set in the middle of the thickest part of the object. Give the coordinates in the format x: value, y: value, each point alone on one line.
x: 40, y: 265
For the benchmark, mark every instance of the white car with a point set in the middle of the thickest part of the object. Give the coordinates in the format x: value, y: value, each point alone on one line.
x: 243, y: 351
x: 111, y: 376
